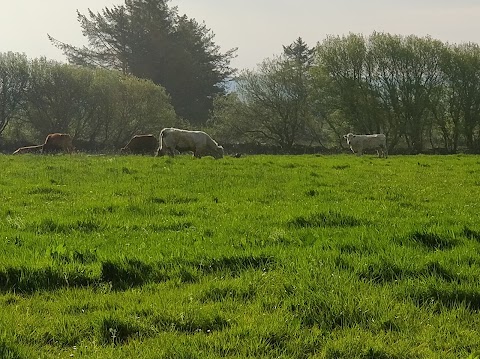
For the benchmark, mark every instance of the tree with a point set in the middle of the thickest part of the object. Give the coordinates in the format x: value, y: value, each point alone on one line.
x: 230, y: 119
x: 14, y: 81
x: 408, y: 79
x: 349, y: 64
x: 58, y: 98
x: 352, y: 103
x: 99, y: 107
x: 385, y: 83
x: 462, y: 71
x: 150, y: 40
x: 135, y: 106
x: 277, y: 96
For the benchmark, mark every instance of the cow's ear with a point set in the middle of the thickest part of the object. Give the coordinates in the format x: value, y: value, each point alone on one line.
x: 354, y: 136
x: 344, y: 136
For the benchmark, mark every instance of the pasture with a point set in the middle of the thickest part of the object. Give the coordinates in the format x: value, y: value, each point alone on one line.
x: 254, y: 257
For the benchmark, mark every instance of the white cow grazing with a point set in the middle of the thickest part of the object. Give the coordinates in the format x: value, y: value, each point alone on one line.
x: 199, y: 142
x: 359, y: 143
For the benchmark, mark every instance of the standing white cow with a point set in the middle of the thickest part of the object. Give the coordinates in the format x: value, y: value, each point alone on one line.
x: 199, y: 142
x: 359, y: 143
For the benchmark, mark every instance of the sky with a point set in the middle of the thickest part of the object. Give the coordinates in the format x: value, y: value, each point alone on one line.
x: 258, y: 28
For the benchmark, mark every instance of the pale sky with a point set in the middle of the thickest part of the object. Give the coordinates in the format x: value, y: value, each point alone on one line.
x: 258, y: 28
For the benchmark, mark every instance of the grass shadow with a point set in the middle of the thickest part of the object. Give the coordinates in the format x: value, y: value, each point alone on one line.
x: 448, y: 297
x: 471, y: 234
x: 123, y: 274
x: 429, y: 240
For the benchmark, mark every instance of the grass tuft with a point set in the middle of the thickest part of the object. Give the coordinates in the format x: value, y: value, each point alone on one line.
x: 432, y: 240
x: 447, y: 296
x: 29, y: 280
x: 383, y: 272
x: 471, y: 234
x: 237, y: 264
x: 8, y: 351
x: 328, y: 219
x: 125, y: 274
x: 191, y: 322
x: 341, y: 167
x: 111, y: 330
x: 218, y: 294
x: 311, y: 193
x: 331, y: 311
x: 48, y: 225
x: 46, y: 191
x: 435, y: 269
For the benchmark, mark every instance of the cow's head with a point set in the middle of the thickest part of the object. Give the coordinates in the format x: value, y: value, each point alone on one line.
x: 160, y: 152
x: 218, y: 152
x: 349, y: 137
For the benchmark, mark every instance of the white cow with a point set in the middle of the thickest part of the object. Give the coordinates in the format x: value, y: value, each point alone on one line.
x: 359, y: 143
x: 199, y: 142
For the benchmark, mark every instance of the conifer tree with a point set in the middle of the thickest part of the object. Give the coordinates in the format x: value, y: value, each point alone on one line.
x: 149, y: 39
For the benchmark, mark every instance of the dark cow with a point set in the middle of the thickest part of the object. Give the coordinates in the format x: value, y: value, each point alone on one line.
x: 141, y: 145
x: 29, y: 149
x: 56, y: 142
x: 199, y: 142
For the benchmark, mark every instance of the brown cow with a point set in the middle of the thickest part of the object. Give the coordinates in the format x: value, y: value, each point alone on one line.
x: 141, y: 145
x: 29, y: 149
x: 58, y: 142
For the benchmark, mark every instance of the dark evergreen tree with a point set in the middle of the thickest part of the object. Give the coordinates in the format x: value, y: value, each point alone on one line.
x: 299, y: 52
x: 149, y: 39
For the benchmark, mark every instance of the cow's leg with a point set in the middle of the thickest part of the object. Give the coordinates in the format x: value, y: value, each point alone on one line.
x: 198, y: 153
x: 382, y: 152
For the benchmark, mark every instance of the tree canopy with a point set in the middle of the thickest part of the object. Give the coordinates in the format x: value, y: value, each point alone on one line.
x: 150, y: 40
x: 14, y: 81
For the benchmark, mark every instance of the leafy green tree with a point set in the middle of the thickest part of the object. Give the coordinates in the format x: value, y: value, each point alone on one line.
x: 462, y: 114
x: 349, y: 102
x: 330, y: 121
x: 135, y: 106
x: 149, y: 39
x: 344, y: 60
x: 58, y: 98
x: 277, y: 96
x: 230, y: 119
x: 385, y: 83
x: 14, y: 81
x: 100, y: 107
x: 407, y: 76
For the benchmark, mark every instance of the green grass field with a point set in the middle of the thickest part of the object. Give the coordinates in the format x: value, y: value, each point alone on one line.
x: 256, y: 257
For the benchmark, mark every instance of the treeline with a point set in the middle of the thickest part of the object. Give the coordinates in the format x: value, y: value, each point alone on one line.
x: 422, y: 93
x: 419, y: 91
x: 100, y: 108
